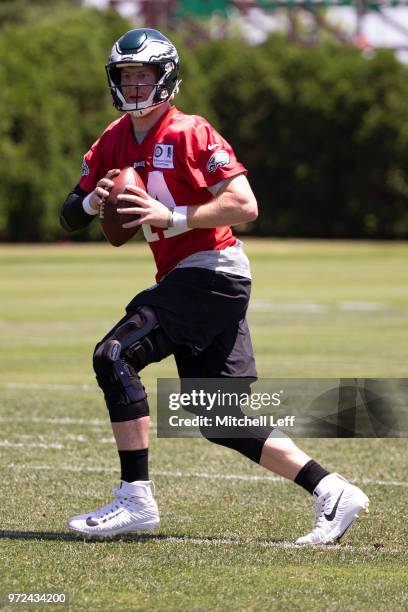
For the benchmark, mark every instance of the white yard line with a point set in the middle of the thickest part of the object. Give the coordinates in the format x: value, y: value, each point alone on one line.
x: 59, y: 387
x: 66, y: 421
x: 307, y: 307
x: 227, y: 541
x: 181, y: 474
x: 206, y: 541
x: 50, y: 387
x: 313, y: 307
x: 55, y: 421
x: 7, y: 444
x: 361, y: 306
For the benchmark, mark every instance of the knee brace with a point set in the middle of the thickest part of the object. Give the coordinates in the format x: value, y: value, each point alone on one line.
x: 117, y: 360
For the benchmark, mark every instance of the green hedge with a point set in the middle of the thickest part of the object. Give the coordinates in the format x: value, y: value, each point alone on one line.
x: 53, y: 103
x: 323, y: 131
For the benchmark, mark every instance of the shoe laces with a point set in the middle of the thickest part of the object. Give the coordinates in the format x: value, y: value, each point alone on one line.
x: 129, y: 501
x: 105, y: 510
x: 123, y: 499
x: 116, y: 504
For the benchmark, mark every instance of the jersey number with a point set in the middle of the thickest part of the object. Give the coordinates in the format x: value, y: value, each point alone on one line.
x: 157, y: 188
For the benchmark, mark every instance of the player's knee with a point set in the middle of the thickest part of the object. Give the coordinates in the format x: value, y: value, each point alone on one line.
x: 118, y: 360
x: 123, y: 390
x: 105, y: 354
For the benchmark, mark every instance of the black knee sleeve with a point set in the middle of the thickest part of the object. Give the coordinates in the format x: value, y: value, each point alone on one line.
x: 118, y: 359
x: 250, y: 446
x: 247, y: 440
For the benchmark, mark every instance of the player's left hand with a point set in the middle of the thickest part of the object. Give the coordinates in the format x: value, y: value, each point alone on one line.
x: 151, y: 211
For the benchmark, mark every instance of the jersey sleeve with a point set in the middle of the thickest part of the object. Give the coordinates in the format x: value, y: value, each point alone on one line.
x: 209, y: 158
x: 92, y: 167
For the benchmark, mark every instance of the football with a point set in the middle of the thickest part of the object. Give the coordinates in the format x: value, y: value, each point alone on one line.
x: 111, y: 220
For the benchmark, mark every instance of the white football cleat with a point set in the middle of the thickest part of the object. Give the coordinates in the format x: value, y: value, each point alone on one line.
x: 338, y: 505
x: 133, y: 509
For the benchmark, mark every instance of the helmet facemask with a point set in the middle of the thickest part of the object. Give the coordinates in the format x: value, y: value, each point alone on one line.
x: 161, y: 91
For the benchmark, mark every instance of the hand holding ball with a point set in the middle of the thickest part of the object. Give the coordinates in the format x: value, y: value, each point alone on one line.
x: 111, y: 220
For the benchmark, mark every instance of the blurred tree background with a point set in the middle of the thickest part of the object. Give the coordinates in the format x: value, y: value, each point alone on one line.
x: 322, y: 129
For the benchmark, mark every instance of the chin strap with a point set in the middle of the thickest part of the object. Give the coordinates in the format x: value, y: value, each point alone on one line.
x: 143, y: 112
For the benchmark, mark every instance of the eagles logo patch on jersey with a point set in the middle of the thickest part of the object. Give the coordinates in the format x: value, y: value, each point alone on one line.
x: 85, y: 168
x: 219, y: 159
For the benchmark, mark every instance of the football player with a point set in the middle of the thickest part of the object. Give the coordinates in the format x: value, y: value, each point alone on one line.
x: 196, y: 190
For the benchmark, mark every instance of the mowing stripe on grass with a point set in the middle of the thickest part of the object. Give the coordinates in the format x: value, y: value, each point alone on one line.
x: 180, y: 474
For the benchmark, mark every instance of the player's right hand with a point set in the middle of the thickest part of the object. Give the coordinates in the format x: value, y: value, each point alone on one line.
x: 102, y: 189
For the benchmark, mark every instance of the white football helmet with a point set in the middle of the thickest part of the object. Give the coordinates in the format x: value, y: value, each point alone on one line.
x: 144, y: 46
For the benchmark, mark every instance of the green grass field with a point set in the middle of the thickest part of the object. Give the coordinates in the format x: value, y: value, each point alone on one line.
x: 319, y: 309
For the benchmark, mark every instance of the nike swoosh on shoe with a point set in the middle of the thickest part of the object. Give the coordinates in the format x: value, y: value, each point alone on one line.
x: 331, y: 516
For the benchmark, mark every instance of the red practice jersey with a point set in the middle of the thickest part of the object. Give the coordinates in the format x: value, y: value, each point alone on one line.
x: 178, y: 159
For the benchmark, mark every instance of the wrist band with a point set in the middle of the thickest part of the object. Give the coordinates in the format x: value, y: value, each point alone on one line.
x: 87, y: 206
x: 180, y: 217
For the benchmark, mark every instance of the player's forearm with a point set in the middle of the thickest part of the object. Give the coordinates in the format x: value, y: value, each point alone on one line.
x: 226, y: 209
x: 73, y: 216
x: 235, y: 203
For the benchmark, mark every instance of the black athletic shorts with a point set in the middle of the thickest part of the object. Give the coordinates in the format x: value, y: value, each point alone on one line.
x: 203, y: 312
